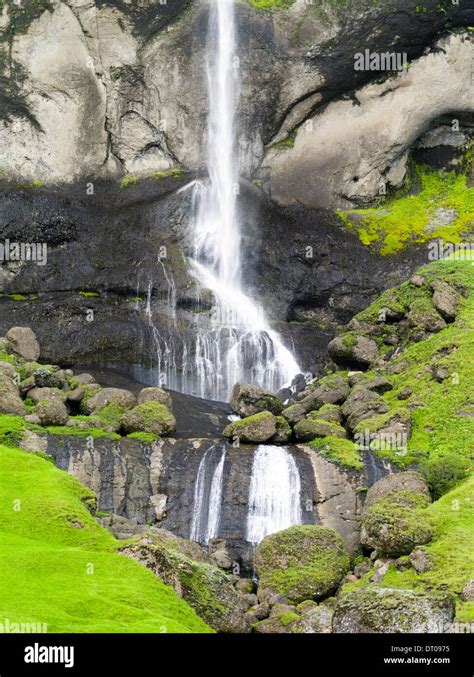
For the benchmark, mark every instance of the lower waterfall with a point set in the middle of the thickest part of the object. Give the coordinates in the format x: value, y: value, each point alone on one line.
x: 208, y: 495
x: 275, y: 493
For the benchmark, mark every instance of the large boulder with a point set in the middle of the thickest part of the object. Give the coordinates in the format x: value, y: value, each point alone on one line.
x: 253, y: 429
x: 38, y: 394
x: 119, y: 396
x: 409, y: 481
x: 302, y: 562
x: 328, y: 412
x: 247, y: 399
x: 362, y: 404
x: 191, y: 572
x: 23, y: 342
x: 309, y: 429
x: 52, y: 412
x: 353, y: 350
x: 150, y: 417
x: 155, y: 395
x: 389, y: 610
x: 10, y: 400
x: 395, y: 524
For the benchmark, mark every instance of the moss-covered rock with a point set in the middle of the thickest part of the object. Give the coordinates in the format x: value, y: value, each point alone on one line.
x: 302, y: 562
x: 247, y: 399
x: 155, y: 395
x: 10, y: 400
x: 328, y: 412
x: 187, y: 568
x: 254, y: 429
x: 395, y: 524
x: 52, y: 412
x: 375, y: 609
x: 150, y: 417
x: 308, y: 429
x: 283, y: 432
x: 353, y: 350
x: 340, y: 451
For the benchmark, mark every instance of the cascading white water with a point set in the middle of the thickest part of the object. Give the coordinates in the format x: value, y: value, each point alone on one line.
x: 275, y: 493
x: 208, y: 495
x: 239, y: 344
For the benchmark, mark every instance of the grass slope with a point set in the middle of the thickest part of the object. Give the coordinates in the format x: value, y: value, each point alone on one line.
x: 59, y: 567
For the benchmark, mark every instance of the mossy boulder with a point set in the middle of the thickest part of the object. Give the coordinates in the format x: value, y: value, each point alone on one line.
x: 353, y: 350
x: 155, y: 395
x: 408, y: 481
x: 328, y: 412
x: 10, y: 400
x: 283, y: 432
x: 308, y: 429
x: 423, y: 315
x: 281, y: 623
x: 254, y: 429
x: 150, y: 417
x: 45, y: 377
x: 105, y: 396
x: 294, y: 413
x: 445, y: 300
x: 395, y: 524
x: 388, y: 610
x: 247, y: 399
x: 302, y: 562
x: 314, y: 620
x: 189, y: 570
x: 40, y: 394
x: 52, y: 412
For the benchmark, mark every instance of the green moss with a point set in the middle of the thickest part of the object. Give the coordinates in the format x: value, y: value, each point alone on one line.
x: 149, y: 417
x: 111, y: 415
x: 302, y: 562
x: 451, y: 549
x: 270, y: 5
x: 129, y: 180
x: 287, y: 618
x: 288, y: 142
x: 89, y: 294
x: 339, y: 451
x: 59, y: 567
x: 80, y: 432
x: 146, y: 438
x: 18, y: 297
x: 171, y: 173
x: 12, y: 429
x: 396, y: 523
x: 404, y: 221
x: 6, y: 357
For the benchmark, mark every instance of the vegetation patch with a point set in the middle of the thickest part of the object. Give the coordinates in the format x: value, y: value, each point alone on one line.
x: 443, y: 208
x: 339, y: 451
x: 60, y: 568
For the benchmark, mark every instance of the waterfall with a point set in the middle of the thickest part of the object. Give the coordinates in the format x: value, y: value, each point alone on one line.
x: 275, y: 493
x: 208, y: 495
x: 238, y: 343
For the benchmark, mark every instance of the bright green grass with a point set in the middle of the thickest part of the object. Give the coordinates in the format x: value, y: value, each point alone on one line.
x: 403, y: 221
x: 59, y: 567
x: 439, y: 430
x: 339, y: 451
x: 452, y: 549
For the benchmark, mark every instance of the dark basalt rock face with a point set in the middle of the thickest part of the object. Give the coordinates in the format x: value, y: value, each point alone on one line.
x: 122, y: 245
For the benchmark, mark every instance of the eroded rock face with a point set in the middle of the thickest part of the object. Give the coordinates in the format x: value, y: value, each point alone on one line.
x: 344, y: 155
x: 390, y: 610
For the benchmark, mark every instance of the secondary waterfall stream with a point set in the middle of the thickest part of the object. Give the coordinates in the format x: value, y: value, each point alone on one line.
x: 208, y: 495
x: 275, y: 493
